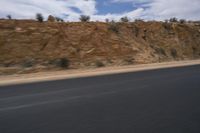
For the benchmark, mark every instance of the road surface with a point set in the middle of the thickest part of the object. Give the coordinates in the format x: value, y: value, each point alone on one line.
x: 156, y: 101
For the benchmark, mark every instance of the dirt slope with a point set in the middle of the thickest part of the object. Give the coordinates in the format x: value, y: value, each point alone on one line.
x: 29, y: 46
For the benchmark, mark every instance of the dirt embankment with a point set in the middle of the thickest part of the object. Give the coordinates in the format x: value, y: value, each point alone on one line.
x: 29, y: 46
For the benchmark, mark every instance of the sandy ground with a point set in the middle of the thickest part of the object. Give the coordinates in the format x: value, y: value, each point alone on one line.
x: 68, y: 74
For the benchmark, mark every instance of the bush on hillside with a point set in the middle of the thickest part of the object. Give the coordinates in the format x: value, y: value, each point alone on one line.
x: 135, y: 30
x: 84, y: 18
x: 99, y: 64
x: 173, y: 53
x: 139, y: 20
x: 39, y: 17
x: 113, y: 26
x: 28, y: 63
x: 107, y: 20
x: 124, y: 19
x: 173, y: 20
x: 63, y: 63
x: 58, y: 19
x: 182, y: 21
x: 9, y: 16
x: 167, y: 26
x: 60, y: 62
x: 160, y: 51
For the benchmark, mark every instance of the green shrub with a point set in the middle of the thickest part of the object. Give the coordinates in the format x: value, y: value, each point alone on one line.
x: 58, y: 19
x: 28, y: 63
x: 139, y: 20
x: 160, y: 51
x: 124, y: 19
x: 84, y: 18
x: 167, y: 26
x: 9, y: 17
x: 39, y: 17
x: 113, y: 26
x: 99, y: 64
x: 135, y: 30
x: 173, y: 20
x: 173, y: 53
x: 129, y: 60
x: 107, y: 20
x: 182, y: 21
x: 63, y: 63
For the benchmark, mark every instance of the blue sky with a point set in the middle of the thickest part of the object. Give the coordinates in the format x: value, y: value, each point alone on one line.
x: 104, y: 7
x: 99, y: 10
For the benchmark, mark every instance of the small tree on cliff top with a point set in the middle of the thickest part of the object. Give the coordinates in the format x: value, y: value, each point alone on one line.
x: 84, y: 18
x: 39, y: 17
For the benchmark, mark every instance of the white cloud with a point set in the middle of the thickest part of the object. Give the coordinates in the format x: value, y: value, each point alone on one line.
x: 72, y: 9
x: 163, y: 9
x: 87, y: 7
x: 135, y: 1
x: 131, y: 15
x: 28, y: 8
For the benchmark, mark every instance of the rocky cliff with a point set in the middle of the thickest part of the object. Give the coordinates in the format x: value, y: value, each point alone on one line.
x: 27, y: 45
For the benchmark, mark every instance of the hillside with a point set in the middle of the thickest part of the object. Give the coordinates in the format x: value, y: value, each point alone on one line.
x: 30, y: 46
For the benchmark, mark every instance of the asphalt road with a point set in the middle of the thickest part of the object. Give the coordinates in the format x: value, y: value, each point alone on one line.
x: 157, y: 101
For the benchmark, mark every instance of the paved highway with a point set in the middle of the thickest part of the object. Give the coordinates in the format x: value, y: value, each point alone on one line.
x: 156, y: 101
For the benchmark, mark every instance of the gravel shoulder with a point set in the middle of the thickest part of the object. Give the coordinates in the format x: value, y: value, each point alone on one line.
x: 69, y: 74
